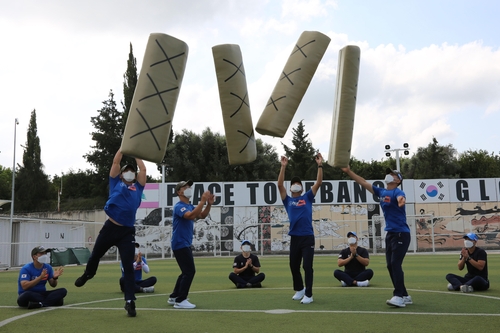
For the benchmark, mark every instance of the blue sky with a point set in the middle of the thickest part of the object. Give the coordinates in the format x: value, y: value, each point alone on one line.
x: 428, y: 68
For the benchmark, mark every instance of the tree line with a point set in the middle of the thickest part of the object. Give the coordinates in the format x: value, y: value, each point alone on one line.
x: 203, y: 158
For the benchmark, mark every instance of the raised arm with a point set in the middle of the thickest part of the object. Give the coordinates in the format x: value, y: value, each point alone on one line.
x: 281, y: 177
x: 358, y: 179
x: 115, y: 167
x: 319, y: 177
x: 141, y: 174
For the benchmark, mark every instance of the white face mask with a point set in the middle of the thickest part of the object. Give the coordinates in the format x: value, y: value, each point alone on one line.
x: 43, y: 259
x: 246, y: 248
x: 296, y: 188
x: 129, y: 176
x: 188, y: 193
x: 468, y: 244
x: 388, y: 178
x: 352, y: 240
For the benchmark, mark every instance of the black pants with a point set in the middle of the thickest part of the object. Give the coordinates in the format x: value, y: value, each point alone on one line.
x: 149, y: 282
x: 477, y: 282
x: 241, y: 281
x: 47, y: 298
x: 124, y: 239
x: 349, y: 278
x: 185, y: 260
x: 396, y: 245
x: 302, y: 251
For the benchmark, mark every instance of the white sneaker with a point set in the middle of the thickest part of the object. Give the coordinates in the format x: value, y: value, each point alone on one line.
x: 450, y: 287
x: 184, y: 305
x: 306, y: 300
x: 407, y: 300
x: 396, y: 301
x: 148, y: 289
x: 343, y: 283
x: 466, y: 289
x: 363, y: 283
x: 299, y: 294
x: 171, y: 300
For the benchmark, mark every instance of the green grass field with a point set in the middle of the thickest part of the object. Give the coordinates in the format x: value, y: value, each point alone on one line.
x: 98, y: 306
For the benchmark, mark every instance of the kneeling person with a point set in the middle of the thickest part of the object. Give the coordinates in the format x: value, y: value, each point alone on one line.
x: 355, y: 259
x: 246, y: 268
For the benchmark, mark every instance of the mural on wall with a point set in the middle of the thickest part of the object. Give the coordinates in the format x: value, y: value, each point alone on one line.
x: 446, y: 223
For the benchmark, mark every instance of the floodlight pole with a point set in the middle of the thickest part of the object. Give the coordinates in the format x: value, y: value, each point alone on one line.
x: 388, y: 151
x: 16, y: 122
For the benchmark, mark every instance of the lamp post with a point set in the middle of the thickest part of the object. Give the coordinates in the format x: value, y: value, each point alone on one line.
x: 405, y: 150
x: 59, y: 193
x: 16, y: 122
x: 165, y: 169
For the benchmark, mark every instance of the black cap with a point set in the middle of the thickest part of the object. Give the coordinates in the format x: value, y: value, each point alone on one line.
x: 39, y: 249
x: 137, y: 245
x: 128, y: 166
x: 295, y: 179
x: 182, y: 184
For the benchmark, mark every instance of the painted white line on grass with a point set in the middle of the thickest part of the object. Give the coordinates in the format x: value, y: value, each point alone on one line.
x: 287, y: 311
x: 273, y: 311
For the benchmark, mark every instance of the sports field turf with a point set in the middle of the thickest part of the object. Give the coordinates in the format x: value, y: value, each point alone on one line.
x: 98, y: 306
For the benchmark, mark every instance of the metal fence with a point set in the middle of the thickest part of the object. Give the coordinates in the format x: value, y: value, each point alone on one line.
x: 429, y: 234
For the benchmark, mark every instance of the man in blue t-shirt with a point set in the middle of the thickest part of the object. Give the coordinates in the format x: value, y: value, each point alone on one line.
x: 302, y: 242
x: 126, y: 186
x: 182, y: 238
x: 32, y: 280
x: 397, y: 240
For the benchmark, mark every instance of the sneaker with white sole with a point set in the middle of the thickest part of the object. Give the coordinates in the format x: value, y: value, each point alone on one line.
x: 148, y: 289
x: 171, y: 300
x: 396, y: 301
x: 466, y: 288
x: 343, y: 283
x: 407, y: 300
x: 363, y: 283
x: 306, y: 300
x: 299, y: 294
x: 450, y: 287
x: 184, y: 305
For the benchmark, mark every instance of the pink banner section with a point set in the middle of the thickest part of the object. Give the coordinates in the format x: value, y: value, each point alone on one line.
x: 149, y: 205
x: 150, y: 196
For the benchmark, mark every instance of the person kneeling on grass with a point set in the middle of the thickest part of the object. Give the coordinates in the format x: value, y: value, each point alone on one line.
x: 476, y: 261
x: 32, y: 280
x: 246, y: 268
x: 140, y: 264
x: 355, y: 259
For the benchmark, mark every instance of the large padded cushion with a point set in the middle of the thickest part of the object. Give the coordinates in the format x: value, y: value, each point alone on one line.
x: 150, y: 117
x: 345, y: 106
x: 233, y: 93
x: 292, y: 84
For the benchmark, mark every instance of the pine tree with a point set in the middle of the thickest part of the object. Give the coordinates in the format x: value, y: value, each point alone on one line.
x: 32, y: 184
x: 302, y: 156
x: 129, y: 84
x: 107, y: 137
